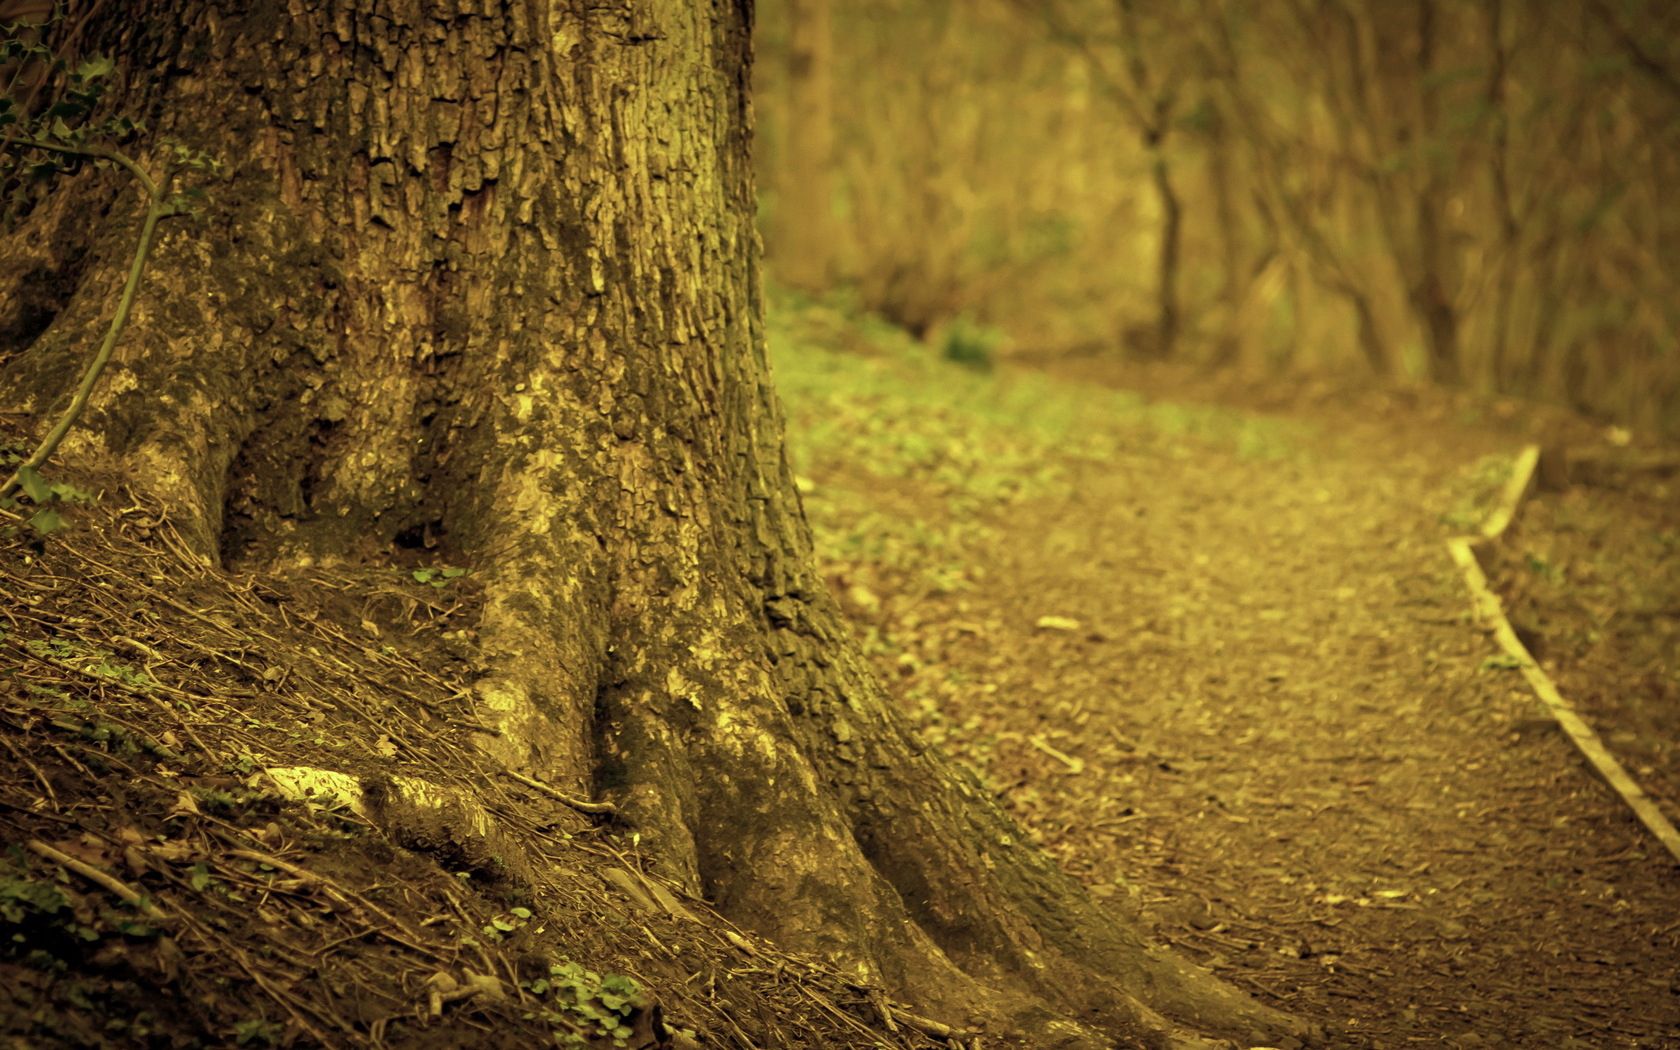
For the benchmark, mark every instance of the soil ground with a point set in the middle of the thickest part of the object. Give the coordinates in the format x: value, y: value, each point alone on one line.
x: 1591, y: 576
x: 1204, y: 641
x: 1218, y: 660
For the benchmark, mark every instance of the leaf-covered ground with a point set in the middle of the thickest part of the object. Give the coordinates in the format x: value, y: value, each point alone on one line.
x: 1214, y: 658
x: 1219, y: 662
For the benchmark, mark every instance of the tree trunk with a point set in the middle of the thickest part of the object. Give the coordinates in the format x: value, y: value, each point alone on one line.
x: 482, y: 281
x: 1432, y: 299
x: 1440, y: 324
x: 1510, y: 235
x: 1167, y: 312
x: 1235, y: 279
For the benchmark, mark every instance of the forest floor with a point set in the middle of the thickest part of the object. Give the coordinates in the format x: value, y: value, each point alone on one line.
x: 1207, y: 644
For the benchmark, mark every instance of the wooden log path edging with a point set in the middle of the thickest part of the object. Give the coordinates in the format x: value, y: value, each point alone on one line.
x: 1491, y: 610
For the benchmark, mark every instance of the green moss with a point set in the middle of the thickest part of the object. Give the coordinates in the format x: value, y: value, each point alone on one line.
x: 871, y: 410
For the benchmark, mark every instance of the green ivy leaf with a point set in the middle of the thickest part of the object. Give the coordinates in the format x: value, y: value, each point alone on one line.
x: 96, y: 67
x: 621, y: 985
x: 34, y: 485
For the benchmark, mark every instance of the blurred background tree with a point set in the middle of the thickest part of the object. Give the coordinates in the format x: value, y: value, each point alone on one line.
x: 1467, y: 191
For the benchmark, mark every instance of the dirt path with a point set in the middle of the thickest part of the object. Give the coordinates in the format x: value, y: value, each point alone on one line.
x: 1276, y: 729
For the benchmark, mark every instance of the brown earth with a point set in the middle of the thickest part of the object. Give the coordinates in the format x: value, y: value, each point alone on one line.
x: 1591, y: 581
x: 1217, y: 660
x: 1260, y: 709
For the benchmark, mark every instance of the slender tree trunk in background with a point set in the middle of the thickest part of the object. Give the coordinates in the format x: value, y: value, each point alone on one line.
x: 1501, y: 353
x: 1290, y: 352
x: 483, y: 280
x: 1539, y: 367
x: 1149, y: 103
x: 1505, y: 281
x: 1440, y: 324
x: 1370, y: 334
x: 1329, y: 272
x: 1236, y: 279
x: 805, y: 227
x: 1431, y: 295
x: 1400, y: 100
x: 1503, y: 377
x: 1168, y: 311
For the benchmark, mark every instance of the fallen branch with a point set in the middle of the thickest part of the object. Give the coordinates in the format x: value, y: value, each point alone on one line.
x: 92, y: 874
x: 582, y: 806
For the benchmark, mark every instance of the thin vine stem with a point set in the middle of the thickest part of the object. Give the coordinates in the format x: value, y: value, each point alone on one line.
x: 157, y: 208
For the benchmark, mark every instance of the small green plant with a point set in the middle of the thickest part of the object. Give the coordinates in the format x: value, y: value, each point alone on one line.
x: 439, y: 577
x: 42, y: 141
x: 507, y: 922
x: 91, y: 660
x: 1542, y: 568
x: 970, y: 344
x: 22, y: 898
x: 46, y: 497
x: 257, y: 1031
x: 587, y: 1005
x: 217, y: 800
x: 44, y: 926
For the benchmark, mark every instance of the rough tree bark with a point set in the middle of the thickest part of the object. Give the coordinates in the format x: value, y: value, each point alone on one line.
x: 483, y: 278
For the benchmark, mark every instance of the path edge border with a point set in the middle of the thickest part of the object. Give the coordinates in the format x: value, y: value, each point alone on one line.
x: 1490, y: 610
